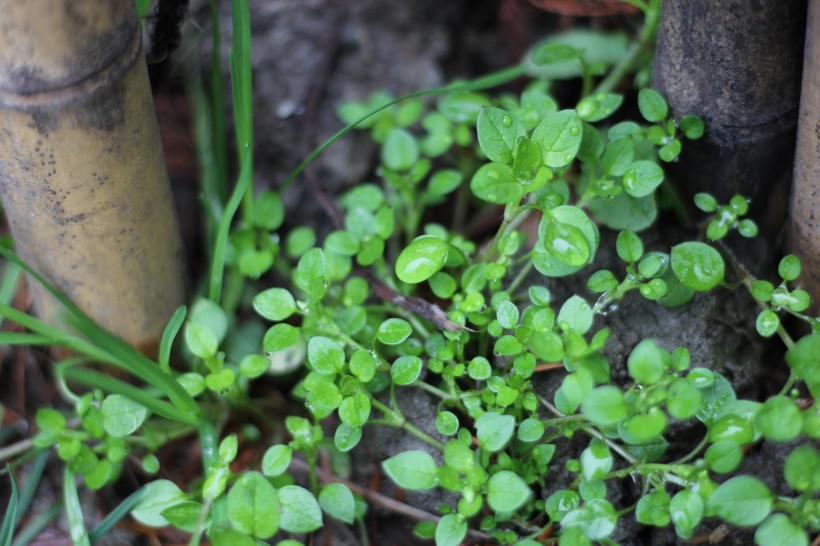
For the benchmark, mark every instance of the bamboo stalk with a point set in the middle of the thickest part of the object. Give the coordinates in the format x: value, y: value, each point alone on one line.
x: 82, y: 175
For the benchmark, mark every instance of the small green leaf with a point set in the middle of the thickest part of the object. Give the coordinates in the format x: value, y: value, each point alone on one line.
x: 530, y: 430
x: 325, y: 355
x: 779, y: 530
x: 494, y: 430
x: 559, y: 135
x: 121, y: 415
x: 706, y: 202
x: 253, y: 366
x: 697, y: 265
x: 346, y: 438
x: 447, y: 423
x: 363, y: 365
x: 629, y: 247
x: 742, y: 501
x: 767, y: 323
x: 596, y: 518
x: 692, y: 127
x: 310, y: 274
x: 342, y: 242
x: 496, y: 183
x: 647, y: 362
x: 479, y: 368
x: 280, y: 337
x: 604, y: 405
x: 555, y: 53
x: 641, y: 178
x: 337, y: 500
x: 253, y: 506
x: 507, y: 314
x: 683, y: 399
x: 599, y: 106
x: 778, y: 419
x: 723, y: 457
x: 201, y: 340
x: 596, y: 460
x: 268, y: 211
x: 393, y: 331
x: 577, y: 314
x: 355, y: 410
x: 157, y: 496
x: 300, y: 512
x: 653, y: 509
x: 643, y: 428
x: 444, y: 182
x: 422, y: 259
x: 507, y: 492
x: 413, y: 470
x: 802, y: 359
x: 274, y: 304
x: 686, y: 511
x: 323, y: 398
x: 652, y: 105
x: 406, y: 369
x: 451, y: 530
x: 498, y: 133
x: 276, y: 460
x: 802, y: 469
x: 400, y: 150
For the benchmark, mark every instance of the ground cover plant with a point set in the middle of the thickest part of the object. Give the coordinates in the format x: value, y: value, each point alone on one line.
x: 387, y: 302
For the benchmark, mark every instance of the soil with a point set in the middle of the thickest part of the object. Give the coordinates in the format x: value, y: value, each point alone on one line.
x: 308, y: 55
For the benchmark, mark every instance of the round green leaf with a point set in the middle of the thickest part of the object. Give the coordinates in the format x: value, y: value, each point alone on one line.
x: 802, y: 359
x: 253, y: 366
x: 652, y: 105
x: 337, y: 500
x: 422, y: 259
x: 629, y: 246
x: 496, y: 183
x: 697, y: 265
x: 393, y: 331
x: 479, y: 368
x: 276, y: 460
x: 686, y: 510
x: 325, y: 355
x: 596, y: 518
x: 157, y: 496
x: 642, y: 428
x: 802, y: 469
x: 596, y: 460
x: 767, y: 323
x: 412, y: 470
x: 323, y: 398
x: 346, y: 438
x: 683, y: 399
x: 300, y: 512
x: 647, y: 362
x: 641, y: 178
x: 599, y: 106
x: 253, y: 506
x: 268, y: 211
x: 279, y: 337
x: 406, y: 369
x: 201, y: 340
x: 447, y: 423
x: 577, y: 314
x: 355, y: 410
x: 723, y: 457
x: 507, y: 491
x: 400, y: 150
x: 494, y: 430
x: 558, y: 251
x: 778, y: 530
x: 692, y: 127
x: 559, y: 134
x: 342, y: 242
x: 531, y: 429
x: 779, y: 419
x: 653, y: 509
x: 498, y: 133
x: 451, y: 530
x: 121, y: 415
x: 604, y: 405
x: 742, y: 501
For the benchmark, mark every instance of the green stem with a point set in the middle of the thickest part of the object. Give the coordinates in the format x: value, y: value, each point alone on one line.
x: 645, y: 39
x: 391, y: 420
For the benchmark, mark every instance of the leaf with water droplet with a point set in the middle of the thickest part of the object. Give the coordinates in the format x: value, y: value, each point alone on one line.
x: 599, y: 106
x: 555, y: 135
x: 527, y: 159
x: 553, y: 257
x: 697, y: 265
x: 496, y: 183
x: 642, y: 177
x: 498, y: 132
x: 422, y: 259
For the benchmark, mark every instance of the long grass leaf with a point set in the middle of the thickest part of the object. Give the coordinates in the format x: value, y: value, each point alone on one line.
x: 22, y: 338
x: 116, y: 515
x: 33, y: 476
x: 485, y: 82
x: 109, y: 384
x: 168, y: 335
x: 7, y: 530
x: 36, y: 525
x: 73, y: 510
x: 8, y: 284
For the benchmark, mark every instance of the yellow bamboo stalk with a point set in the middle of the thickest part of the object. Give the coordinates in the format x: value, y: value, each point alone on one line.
x: 804, y: 220
x: 82, y: 175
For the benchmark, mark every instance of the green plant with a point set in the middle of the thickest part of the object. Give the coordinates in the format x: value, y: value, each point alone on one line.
x: 360, y: 327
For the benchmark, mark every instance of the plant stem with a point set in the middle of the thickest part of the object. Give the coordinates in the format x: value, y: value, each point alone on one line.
x: 391, y: 420
x: 646, y: 37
